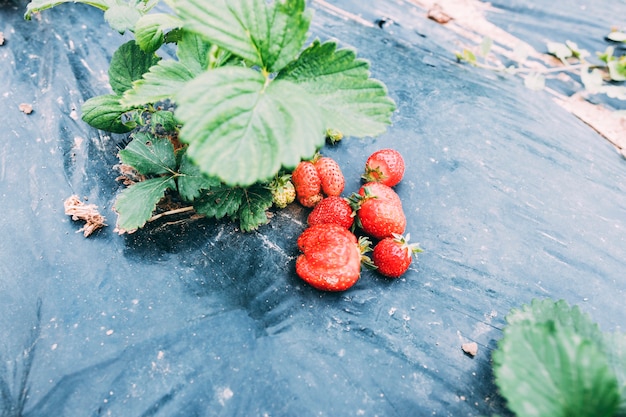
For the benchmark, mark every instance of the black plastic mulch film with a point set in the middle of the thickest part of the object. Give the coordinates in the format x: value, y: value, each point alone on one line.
x: 511, y: 197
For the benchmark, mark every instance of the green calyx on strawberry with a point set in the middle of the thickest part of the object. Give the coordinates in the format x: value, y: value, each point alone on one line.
x: 333, y: 209
x: 331, y: 257
x: 392, y: 256
x: 283, y: 191
x: 379, y: 210
x: 385, y: 166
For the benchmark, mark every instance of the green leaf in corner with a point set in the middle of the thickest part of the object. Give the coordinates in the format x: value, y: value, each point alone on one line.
x: 242, y: 127
x: 122, y: 17
x: 267, y: 34
x: 128, y: 64
x: 548, y: 370
x: 191, y: 180
x: 135, y: 204
x: 36, y: 6
x: 150, y: 30
x: 105, y: 113
x: 149, y: 155
x: 340, y: 85
x: 615, y: 346
x: 255, y: 202
x: 543, y: 311
x: 163, y: 81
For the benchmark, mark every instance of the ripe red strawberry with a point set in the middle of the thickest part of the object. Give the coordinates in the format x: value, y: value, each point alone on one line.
x: 380, y: 191
x: 307, y: 183
x: 385, y: 166
x: 392, y: 256
x: 330, y: 173
x: 379, y: 210
x: 331, y: 259
x: 334, y: 210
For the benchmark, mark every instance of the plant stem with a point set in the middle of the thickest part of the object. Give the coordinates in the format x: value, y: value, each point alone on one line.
x: 170, y: 213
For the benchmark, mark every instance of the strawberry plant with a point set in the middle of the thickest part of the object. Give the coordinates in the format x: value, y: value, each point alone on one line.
x: 554, y: 361
x: 243, y: 101
x: 604, y: 76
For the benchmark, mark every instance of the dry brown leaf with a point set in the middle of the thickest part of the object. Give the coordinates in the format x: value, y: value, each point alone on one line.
x: 86, y: 212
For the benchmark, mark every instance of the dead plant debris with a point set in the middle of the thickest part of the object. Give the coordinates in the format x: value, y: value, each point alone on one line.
x: 86, y: 212
x: 470, y: 348
x: 26, y: 108
x: 437, y: 14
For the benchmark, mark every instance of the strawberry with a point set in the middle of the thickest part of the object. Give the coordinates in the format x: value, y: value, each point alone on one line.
x: 283, y: 191
x: 379, y: 212
x: 307, y: 183
x: 332, y: 178
x: 334, y: 210
x: 380, y: 191
x: 331, y: 259
x: 385, y: 166
x: 392, y: 256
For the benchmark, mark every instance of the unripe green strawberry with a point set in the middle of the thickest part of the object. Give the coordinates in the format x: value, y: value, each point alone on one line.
x: 392, y: 256
x: 307, y: 183
x: 333, y: 181
x: 283, y: 191
x: 333, y: 136
x: 333, y: 209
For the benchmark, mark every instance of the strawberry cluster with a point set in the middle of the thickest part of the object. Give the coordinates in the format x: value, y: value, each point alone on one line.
x: 331, y: 253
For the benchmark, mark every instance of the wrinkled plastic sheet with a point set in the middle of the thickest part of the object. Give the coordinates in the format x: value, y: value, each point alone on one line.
x: 511, y: 197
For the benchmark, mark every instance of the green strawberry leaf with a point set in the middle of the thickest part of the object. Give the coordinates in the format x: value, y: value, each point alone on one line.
x: 149, y: 155
x: 165, y: 118
x: 546, y: 310
x: 615, y: 346
x: 150, y: 30
x: 241, y: 127
x: 219, y: 201
x: 163, y: 81
x: 135, y: 204
x: 350, y: 101
x: 105, y: 113
x: 267, y: 34
x: 191, y: 180
x: 549, y: 370
x: 128, y: 64
x: 36, y: 6
x: 248, y: 205
x: 193, y: 51
x: 122, y: 17
x: 255, y: 202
